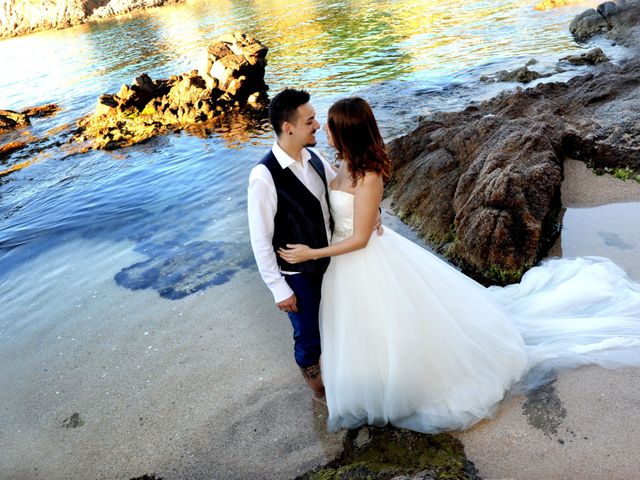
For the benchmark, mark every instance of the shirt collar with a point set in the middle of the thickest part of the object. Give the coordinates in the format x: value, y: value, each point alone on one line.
x: 285, y: 160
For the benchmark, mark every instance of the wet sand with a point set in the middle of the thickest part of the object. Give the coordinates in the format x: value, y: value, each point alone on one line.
x: 203, y: 387
x: 206, y: 387
x: 582, y: 426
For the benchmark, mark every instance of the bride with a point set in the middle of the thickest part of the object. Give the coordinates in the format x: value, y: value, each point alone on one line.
x: 409, y: 340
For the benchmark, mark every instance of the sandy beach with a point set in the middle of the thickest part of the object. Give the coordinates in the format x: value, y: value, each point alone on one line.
x: 179, y: 390
x: 183, y: 391
x: 579, y: 427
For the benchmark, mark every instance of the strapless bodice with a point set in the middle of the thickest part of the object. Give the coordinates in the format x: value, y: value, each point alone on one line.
x: 341, y: 204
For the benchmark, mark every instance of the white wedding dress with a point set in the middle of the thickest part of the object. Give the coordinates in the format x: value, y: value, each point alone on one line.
x: 409, y: 340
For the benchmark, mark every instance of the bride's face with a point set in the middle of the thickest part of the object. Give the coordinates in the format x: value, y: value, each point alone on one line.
x: 329, y: 137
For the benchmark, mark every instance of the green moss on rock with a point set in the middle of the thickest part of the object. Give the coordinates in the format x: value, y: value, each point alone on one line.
x: 373, y: 453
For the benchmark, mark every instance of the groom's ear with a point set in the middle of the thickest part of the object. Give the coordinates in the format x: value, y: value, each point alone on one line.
x: 287, y: 128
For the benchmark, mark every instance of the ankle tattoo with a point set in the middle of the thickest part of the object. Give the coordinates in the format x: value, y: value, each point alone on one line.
x: 312, y: 372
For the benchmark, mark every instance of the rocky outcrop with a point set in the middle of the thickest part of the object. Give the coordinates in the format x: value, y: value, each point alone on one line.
x: 233, y: 79
x: 618, y: 21
x: 20, y: 17
x: 483, y: 185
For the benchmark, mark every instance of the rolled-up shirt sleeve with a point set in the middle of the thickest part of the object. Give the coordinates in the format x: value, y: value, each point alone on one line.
x: 262, y: 203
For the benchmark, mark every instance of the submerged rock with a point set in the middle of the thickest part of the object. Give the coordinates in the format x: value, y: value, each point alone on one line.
x: 233, y: 79
x: 522, y: 75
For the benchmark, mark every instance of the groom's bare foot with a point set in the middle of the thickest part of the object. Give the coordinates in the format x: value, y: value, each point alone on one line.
x: 314, y: 379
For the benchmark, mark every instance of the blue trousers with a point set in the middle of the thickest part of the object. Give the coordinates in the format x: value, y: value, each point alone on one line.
x: 306, y: 331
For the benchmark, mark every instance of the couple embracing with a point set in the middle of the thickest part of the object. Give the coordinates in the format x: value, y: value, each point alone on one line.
x: 406, y: 338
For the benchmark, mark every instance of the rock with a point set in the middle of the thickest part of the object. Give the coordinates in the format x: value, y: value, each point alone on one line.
x: 74, y: 421
x: 607, y: 10
x: 592, y: 57
x: 42, y: 110
x: 587, y: 24
x: 467, y: 181
x: 483, y: 185
x: 8, y: 148
x: 522, y: 75
x: 19, y: 17
x: 10, y: 120
x: 149, y: 107
x: 237, y: 62
x: 618, y: 21
x: 424, y: 475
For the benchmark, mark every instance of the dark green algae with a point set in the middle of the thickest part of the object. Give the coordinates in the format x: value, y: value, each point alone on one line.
x: 373, y: 453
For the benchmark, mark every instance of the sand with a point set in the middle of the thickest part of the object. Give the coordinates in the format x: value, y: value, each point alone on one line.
x: 206, y: 386
x: 582, y: 426
x: 203, y: 387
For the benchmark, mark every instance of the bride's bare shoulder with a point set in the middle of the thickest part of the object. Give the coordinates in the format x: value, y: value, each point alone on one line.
x: 370, y: 180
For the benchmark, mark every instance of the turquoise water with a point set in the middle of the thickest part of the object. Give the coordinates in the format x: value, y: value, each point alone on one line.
x: 180, y: 199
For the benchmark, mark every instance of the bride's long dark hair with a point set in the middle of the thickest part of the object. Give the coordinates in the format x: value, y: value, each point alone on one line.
x: 357, y: 138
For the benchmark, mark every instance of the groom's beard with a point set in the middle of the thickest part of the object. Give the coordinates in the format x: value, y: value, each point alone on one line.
x: 313, y: 142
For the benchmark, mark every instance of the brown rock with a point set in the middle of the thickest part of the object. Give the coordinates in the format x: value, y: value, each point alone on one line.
x: 10, y: 120
x: 592, y: 57
x: 42, y: 110
x: 587, y: 24
x: 8, y: 148
x: 483, y: 184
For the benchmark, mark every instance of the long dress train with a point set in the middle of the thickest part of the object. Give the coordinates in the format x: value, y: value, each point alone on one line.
x: 409, y: 340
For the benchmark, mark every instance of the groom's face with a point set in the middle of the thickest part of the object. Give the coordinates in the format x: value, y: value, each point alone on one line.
x: 305, y: 125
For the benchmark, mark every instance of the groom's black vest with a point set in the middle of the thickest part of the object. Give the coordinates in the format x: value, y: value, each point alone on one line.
x: 299, y: 216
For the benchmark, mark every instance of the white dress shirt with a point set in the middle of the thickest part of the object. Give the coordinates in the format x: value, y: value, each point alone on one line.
x: 262, y: 201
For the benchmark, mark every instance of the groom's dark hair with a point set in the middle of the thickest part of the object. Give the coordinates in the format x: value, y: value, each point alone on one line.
x: 284, y: 106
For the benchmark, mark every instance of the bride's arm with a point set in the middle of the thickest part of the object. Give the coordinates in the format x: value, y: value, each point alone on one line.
x: 368, y: 195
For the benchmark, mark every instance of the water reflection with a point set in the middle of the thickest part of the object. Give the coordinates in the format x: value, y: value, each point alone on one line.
x: 186, y: 193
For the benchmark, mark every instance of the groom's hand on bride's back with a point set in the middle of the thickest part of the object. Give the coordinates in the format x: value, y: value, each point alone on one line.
x: 289, y: 305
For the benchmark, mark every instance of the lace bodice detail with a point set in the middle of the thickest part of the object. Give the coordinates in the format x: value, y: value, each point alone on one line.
x: 341, y: 204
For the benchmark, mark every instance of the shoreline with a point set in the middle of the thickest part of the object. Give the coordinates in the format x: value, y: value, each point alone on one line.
x: 73, y: 14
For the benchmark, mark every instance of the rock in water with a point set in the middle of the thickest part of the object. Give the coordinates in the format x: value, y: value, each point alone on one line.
x: 592, y: 57
x: 233, y: 79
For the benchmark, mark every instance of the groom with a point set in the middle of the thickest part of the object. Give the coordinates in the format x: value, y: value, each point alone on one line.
x: 288, y: 203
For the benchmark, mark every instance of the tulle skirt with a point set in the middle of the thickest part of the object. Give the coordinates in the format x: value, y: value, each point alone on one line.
x: 409, y: 340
